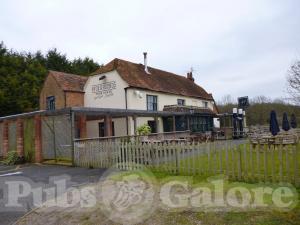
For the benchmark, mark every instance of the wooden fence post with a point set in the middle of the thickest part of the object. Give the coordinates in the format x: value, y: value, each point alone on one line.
x: 72, y: 117
x: 239, y: 161
x: 296, y: 148
x: 177, y: 151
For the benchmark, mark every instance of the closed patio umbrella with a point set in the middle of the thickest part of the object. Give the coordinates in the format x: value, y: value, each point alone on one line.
x: 285, y: 122
x: 274, y: 128
x: 293, y: 121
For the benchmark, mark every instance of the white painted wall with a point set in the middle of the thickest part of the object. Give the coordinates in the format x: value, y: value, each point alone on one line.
x: 216, y: 122
x: 141, y: 121
x: 112, y: 94
x: 139, y: 101
x: 92, y: 127
x: 114, y: 97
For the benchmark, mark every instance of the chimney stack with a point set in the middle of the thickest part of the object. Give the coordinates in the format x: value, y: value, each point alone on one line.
x: 190, y: 76
x: 145, y: 63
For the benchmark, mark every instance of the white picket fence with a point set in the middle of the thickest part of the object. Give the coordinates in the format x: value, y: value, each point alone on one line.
x: 240, y: 162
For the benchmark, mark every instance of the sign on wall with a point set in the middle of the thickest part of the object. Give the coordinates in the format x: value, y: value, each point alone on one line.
x: 104, y: 90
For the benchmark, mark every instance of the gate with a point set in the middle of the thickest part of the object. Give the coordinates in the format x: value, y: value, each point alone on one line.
x: 57, y: 137
x: 29, y: 138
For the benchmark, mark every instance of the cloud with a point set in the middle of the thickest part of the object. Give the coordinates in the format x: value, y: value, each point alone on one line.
x: 236, y: 47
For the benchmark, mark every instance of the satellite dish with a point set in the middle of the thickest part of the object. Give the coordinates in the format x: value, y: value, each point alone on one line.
x: 140, y: 95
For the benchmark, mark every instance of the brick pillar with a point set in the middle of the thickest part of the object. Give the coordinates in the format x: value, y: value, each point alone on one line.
x: 82, y: 126
x: 5, y: 138
x: 38, y: 139
x: 107, y: 126
x: 20, y: 138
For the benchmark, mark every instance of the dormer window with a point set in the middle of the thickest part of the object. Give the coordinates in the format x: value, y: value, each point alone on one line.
x: 205, y: 104
x: 180, y: 102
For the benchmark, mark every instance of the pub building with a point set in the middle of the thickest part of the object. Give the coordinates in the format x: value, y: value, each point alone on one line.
x: 127, y: 95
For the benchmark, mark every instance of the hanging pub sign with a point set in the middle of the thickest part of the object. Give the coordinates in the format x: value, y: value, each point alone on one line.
x: 243, y: 102
x: 104, y: 90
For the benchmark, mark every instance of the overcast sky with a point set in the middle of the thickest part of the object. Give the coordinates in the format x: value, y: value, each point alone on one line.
x: 236, y: 47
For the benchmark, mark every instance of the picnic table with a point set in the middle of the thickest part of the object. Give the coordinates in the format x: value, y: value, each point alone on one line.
x: 281, y: 139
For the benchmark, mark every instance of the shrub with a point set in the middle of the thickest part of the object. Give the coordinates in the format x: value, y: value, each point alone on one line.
x: 144, y: 129
x: 13, y: 158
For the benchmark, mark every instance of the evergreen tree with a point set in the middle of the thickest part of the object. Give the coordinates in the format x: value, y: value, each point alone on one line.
x: 22, y: 76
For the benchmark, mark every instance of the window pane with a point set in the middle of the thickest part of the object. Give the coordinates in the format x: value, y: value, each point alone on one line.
x: 180, y: 102
x: 151, y: 102
x: 50, y: 103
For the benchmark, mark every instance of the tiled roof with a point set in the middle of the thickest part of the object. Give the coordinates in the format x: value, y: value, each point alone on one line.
x: 158, y: 80
x: 69, y: 82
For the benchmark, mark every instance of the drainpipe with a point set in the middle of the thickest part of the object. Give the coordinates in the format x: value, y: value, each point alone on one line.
x: 127, y: 130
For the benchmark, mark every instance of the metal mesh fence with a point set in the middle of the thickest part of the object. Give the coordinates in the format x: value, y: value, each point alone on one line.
x: 1, y: 139
x: 12, y: 136
x: 56, y: 137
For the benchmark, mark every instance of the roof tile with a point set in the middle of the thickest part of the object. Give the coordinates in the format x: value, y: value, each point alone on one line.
x: 158, y: 80
x: 69, y: 82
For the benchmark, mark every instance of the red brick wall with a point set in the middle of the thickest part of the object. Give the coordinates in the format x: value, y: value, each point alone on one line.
x: 51, y: 88
x: 74, y: 99
x: 63, y: 98
x: 81, y: 125
x: 20, y: 137
x: 5, y: 138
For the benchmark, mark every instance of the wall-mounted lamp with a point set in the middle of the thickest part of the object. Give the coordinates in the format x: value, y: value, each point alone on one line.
x: 138, y: 94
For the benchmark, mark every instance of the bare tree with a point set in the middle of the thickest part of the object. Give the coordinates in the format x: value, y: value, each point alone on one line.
x: 260, y: 99
x: 293, y: 82
x: 226, y: 100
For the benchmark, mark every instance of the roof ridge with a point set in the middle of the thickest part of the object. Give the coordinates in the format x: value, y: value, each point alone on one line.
x: 72, y: 74
x: 68, y: 81
x: 138, y: 64
x: 160, y: 80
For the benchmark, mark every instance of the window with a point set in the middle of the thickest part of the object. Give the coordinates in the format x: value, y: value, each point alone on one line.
x: 180, y: 102
x: 205, y: 104
x: 102, y: 129
x: 151, y: 103
x: 201, y: 124
x: 50, y: 103
x: 152, y: 125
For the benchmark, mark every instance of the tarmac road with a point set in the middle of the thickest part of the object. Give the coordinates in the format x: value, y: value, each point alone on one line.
x: 39, y: 174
